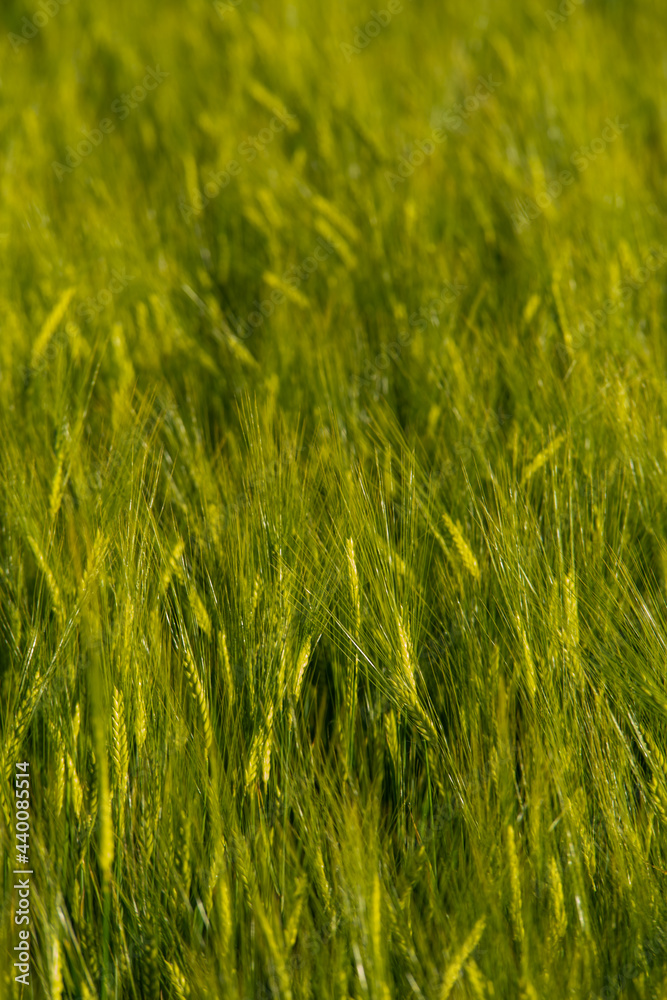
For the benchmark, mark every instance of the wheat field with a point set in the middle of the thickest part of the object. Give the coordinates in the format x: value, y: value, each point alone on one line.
x: 333, y: 482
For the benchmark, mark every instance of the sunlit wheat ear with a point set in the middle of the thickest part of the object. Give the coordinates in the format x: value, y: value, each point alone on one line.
x: 458, y: 962
x: 119, y: 754
x: 253, y: 762
x: 244, y: 867
x: 173, y: 567
x: 50, y: 326
x: 53, y: 588
x: 528, y: 662
x: 226, y: 922
x: 267, y: 744
x: 543, y: 457
x: 106, y: 845
x: 558, y: 922
x: 276, y: 951
x: 91, y: 794
x: 76, y: 722
x: 407, y: 674
x: 391, y: 735
x: 60, y: 779
x: 300, y: 669
x: 56, y: 969
x: 94, y: 563
x: 658, y: 785
x: 199, y: 611
x: 76, y: 792
x: 478, y: 982
x: 255, y: 595
x: 407, y: 682
x: 15, y: 743
x: 375, y: 922
x: 354, y: 584
x: 227, y: 667
x: 515, y: 886
x: 572, y: 621
x: 184, y: 845
x: 57, y: 487
x: 198, y: 693
x: 465, y: 552
x: 140, y: 718
x: 178, y: 981
x: 321, y: 877
x: 292, y: 928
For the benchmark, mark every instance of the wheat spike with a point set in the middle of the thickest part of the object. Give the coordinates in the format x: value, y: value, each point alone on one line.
x: 119, y: 755
x: 292, y: 928
x: 200, y: 612
x: 275, y: 950
x: 253, y: 761
x: 456, y: 965
x: 354, y: 584
x: 92, y: 796
x: 391, y: 736
x: 178, y: 981
x: 515, y: 887
x: 226, y: 923
x: 25, y: 712
x: 199, y: 695
x: 106, y: 848
x: 558, y: 915
x: 266, y: 755
x: 60, y: 780
x: 93, y: 563
x: 408, y: 674
x: 119, y: 734
x: 173, y: 567
x: 50, y: 326
x: 227, y: 665
x: 300, y: 669
x: 462, y: 547
x: 77, y: 794
x: 477, y: 979
x: 542, y: 458
x: 140, y: 718
x: 76, y: 722
x: 572, y: 620
x: 56, y: 970
x: 54, y: 589
x: 57, y: 487
x: 528, y: 661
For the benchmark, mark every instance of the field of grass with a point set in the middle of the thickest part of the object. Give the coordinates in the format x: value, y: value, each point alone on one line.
x: 333, y: 482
